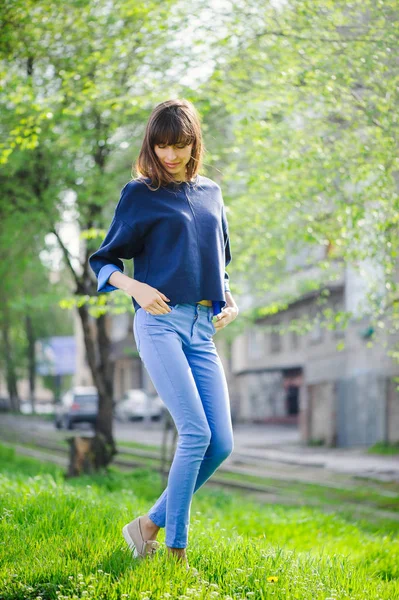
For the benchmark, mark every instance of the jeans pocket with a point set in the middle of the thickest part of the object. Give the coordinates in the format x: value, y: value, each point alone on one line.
x: 163, y: 315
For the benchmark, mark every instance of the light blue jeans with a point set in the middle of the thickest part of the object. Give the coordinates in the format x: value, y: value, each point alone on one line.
x: 180, y: 356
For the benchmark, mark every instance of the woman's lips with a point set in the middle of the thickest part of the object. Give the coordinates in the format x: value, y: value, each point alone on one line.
x: 171, y: 164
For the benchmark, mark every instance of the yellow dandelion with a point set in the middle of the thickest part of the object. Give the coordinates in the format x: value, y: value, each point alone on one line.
x: 272, y: 579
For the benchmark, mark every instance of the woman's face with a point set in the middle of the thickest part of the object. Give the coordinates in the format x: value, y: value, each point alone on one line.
x: 174, y: 158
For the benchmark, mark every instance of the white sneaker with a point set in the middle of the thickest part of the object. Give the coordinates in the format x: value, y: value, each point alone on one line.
x: 141, y: 548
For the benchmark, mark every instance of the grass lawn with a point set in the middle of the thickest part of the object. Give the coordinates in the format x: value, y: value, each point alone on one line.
x: 384, y: 448
x: 62, y: 539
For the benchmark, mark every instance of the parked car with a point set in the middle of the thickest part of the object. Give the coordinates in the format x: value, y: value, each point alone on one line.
x: 136, y: 404
x: 5, y: 404
x: 79, y: 404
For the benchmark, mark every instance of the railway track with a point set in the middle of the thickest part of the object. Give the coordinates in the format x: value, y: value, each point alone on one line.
x: 228, y: 476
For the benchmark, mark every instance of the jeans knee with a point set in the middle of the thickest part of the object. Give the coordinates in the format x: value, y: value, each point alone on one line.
x: 228, y: 450
x: 223, y: 451
x: 198, y: 439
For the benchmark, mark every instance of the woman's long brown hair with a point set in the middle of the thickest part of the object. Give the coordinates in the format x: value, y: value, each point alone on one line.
x: 171, y: 122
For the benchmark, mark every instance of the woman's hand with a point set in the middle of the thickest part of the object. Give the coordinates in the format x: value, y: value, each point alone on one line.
x: 150, y: 299
x: 228, y: 314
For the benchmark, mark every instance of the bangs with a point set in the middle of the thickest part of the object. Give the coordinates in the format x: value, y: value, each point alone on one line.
x: 174, y: 122
x: 170, y: 131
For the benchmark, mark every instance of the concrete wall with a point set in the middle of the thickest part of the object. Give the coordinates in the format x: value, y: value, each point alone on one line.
x: 127, y: 375
x: 346, y: 396
x: 392, y: 434
x: 321, y: 414
x: 361, y: 409
x: 262, y: 396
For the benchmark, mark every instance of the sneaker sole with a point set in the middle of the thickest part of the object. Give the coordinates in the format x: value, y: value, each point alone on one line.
x: 130, y: 543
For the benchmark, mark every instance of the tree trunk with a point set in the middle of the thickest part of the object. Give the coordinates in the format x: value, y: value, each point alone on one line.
x: 98, y: 346
x: 10, y: 369
x: 31, y: 360
x: 88, y: 455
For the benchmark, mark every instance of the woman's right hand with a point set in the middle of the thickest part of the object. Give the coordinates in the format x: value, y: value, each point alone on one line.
x: 150, y: 299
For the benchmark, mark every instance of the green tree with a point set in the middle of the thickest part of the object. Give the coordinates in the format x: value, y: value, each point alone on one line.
x: 79, y: 78
x: 312, y: 90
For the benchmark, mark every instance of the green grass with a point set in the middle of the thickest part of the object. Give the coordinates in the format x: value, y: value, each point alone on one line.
x: 152, y: 447
x: 384, y: 497
x: 63, y: 445
x: 62, y: 539
x: 384, y: 448
x: 40, y: 416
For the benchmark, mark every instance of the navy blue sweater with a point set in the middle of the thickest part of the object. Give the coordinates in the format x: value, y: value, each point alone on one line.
x: 178, y: 237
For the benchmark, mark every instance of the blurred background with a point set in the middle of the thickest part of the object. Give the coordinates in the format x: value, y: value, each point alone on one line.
x: 298, y: 102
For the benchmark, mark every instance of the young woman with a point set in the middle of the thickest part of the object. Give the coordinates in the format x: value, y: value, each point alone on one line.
x: 172, y: 221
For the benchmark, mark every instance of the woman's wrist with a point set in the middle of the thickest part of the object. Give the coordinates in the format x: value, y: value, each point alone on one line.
x: 124, y: 282
x: 230, y: 300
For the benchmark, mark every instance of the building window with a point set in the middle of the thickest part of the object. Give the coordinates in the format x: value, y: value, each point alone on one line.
x: 275, y: 338
x: 294, y: 336
x: 338, y: 333
x: 316, y: 333
x: 255, y: 342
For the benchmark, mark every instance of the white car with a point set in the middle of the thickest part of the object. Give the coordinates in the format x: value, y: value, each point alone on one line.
x: 136, y: 404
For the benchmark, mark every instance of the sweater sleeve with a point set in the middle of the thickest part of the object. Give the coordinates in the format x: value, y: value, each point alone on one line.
x: 227, y: 249
x: 122, y: 240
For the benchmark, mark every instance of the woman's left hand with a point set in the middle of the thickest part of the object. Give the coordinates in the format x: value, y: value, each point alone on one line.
x: 228, y: 314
